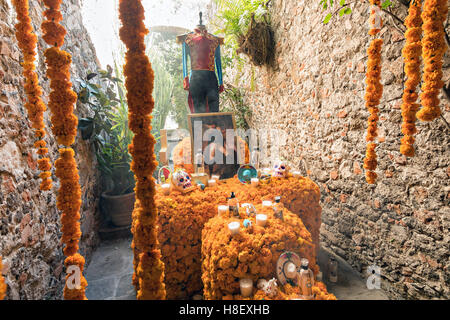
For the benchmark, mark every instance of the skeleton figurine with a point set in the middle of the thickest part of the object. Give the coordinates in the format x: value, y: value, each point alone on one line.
x: 270, y: 287
x: 280, y: 169
x: 181, y: 181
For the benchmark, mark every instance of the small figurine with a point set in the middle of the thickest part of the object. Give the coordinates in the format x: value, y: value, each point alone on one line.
x: 249, y: 209
x: 280, y: 169
x: 247, y: 223
x: 181, y: 181
x: 270, y: 287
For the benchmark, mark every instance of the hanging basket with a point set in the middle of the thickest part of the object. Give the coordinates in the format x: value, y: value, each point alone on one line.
x: 259, y: 43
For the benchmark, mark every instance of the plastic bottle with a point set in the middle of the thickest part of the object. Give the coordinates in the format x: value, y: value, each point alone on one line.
x: 233, y: 204
x: 332, y: 270
x: 306, y: 280
x: 278, y: 208
x: 199, y: 162
x: 254, y: 158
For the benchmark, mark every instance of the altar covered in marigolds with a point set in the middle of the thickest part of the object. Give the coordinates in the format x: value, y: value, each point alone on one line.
x: 256, y: 249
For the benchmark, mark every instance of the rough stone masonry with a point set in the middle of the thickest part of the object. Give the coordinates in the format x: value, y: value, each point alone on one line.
x: 316, y: 94
x: 30, y: 228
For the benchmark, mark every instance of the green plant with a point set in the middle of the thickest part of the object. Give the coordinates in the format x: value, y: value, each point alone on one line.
x: 107, y: 128
x: 233, y: 101
x: 234, y: 19
x: 343, y: 7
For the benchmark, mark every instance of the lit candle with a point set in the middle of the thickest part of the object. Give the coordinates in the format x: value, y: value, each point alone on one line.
x: 255, y: 182
x: 234, y: 227
x: 290, y: 270
x: 267, y: 203
x: 296, y: 174
x: 246, y: 287
x: 166, y: 188
x: 261, y: 220
x: 211, y: 183
x: 222, y: 210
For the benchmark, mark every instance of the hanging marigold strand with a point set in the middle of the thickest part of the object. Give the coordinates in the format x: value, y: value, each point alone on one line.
x: 64, y: 126
x: 2, y: 282
x: 139, y: 79
x: 411, y: 53
x: 27, y: 42
x: 374, y: 91
x: 433, y: 48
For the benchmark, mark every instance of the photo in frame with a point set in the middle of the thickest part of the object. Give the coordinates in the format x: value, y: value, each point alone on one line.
x: 215, y: 134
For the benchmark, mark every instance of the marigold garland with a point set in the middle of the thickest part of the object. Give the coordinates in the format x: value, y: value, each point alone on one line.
x: 374, y: 91
x: 139, y: 80
x: 411, y: 53
x: 64, y: 126
x: 27, y: 42
x: 2, y: 282
x: 433, y: 48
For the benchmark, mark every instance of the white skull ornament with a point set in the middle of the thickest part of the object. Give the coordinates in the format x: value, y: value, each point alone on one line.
x: 181, y: 181
x: 269, y: 287
x: 280, y: 169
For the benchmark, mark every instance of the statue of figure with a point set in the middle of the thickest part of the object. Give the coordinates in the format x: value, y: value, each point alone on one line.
x: 203, y: 49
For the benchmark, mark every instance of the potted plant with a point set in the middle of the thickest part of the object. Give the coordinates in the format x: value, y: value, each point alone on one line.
x: 108, y: 131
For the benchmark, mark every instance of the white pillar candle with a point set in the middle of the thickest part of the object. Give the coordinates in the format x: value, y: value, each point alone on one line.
x: 296, y: 174
x: 166, y: 188
x: 290, y: 270
x: 255, y: 182
x: 261, y: 220
x: 234, y: 227
x: 222, y: 210
x: 246, y: 287
x: 211, y: 183
x: 267, y: 203
x: 215, y: 178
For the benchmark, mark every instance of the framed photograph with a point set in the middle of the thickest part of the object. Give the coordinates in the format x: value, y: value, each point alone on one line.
x: 214, y: 136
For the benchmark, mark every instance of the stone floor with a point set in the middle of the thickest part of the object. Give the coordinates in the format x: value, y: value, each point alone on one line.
x: 110, y: 271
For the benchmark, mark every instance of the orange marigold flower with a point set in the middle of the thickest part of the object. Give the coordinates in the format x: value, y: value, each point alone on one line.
x: 27, y: 42
x: 434, y: 46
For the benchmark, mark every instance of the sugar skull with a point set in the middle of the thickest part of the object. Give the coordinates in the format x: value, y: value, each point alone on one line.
x: 181, y: 181
x: 280, y: 169
x: 270, y: 287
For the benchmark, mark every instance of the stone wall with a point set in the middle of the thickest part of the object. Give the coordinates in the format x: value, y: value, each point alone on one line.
x: 30, y: 229
x: 316, y: 94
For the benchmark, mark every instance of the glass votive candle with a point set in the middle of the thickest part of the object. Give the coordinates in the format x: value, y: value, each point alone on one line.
x: 234, y: 227
x: 261, y: 220
x: 221, y: 210
x: 255, y: 182
x: 166, y: 188
x: 246, y: 287
x: 296, y: 174
x: 267, y: 203
x: 212, y: 183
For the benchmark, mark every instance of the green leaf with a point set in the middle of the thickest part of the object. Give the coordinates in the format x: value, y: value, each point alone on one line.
x: 327, y: 18
x: 341, y: 12
x: 348, y: 10
x: 342, y: 2
x: 91, y: 76
x: 386, y: 4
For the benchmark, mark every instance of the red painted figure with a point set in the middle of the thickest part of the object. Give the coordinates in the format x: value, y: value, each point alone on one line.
x: 203, y: 49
